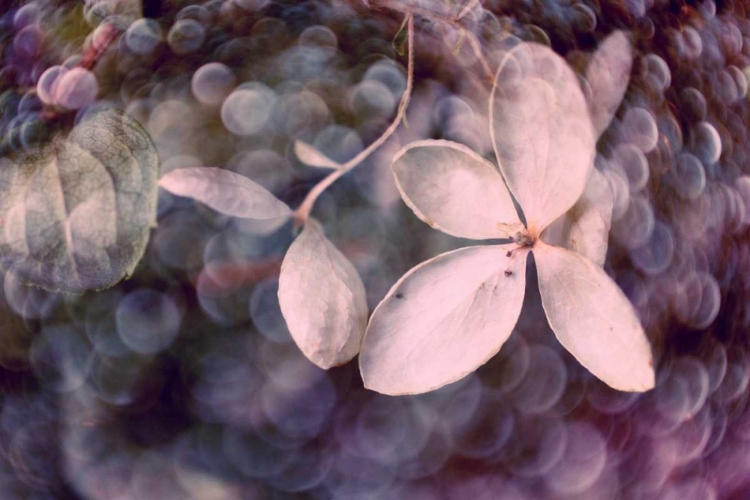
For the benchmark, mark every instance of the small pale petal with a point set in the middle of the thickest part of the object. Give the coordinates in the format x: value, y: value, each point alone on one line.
x: 593, y: 319
x: 542, y: 133
x: 311, y: 157
x: 224, y: 191
x: 443, y: 319
x: 585, y: 227
x: 455, y: 190
x: 322, y: 299
x: 608, y: 75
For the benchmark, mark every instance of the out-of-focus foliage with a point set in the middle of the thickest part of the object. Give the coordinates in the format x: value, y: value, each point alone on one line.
x: 77, y: 211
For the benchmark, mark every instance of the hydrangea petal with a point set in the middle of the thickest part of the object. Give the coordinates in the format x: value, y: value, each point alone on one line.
x: 225, y: 191
x: 593, y: 319
x: 322, y: 299
x: 542, y: 132
x: 443, y: 319
x: 455, y: 190
x: 311, y: 157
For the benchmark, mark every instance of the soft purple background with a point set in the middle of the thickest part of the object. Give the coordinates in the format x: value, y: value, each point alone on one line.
x: 183, y: 382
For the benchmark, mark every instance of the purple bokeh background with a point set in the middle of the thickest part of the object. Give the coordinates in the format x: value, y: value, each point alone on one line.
x: 183, y: 381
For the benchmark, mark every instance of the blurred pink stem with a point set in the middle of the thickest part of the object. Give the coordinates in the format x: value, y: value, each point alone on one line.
x: 303, y: 212
x: 88, y: 61
x: 94, y: 53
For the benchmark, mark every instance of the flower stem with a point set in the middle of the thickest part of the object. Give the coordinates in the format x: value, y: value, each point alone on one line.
x: 95, y: 52
x: 89, y: 60
x: 303, y: 212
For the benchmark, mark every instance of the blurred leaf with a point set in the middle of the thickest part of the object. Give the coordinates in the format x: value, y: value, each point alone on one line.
x: 322, y: 299
x: 76, y: 212
x: 608, y: 75
x: 225, y: 191
x: 585, y: 227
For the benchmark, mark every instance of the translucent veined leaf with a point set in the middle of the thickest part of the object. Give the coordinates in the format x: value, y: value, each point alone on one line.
x: 322, y: 299
x: 443, y: 319
x: 585, y: 227
x: 225, y: 191
x: 541, y: 131
x: 311, y: 157
x: 608, y: 75
x: 455, y: 190
x: 78, y: 210
x: 593, y: 319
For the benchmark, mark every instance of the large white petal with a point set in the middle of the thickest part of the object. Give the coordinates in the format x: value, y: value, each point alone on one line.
x: 225, y: 191
x: 455, y: 190
x: 585, y: 227
x: 593, y: 319
x: 542, y: 132
x: 608, y: 75
x: 443, y: 319
x: 322, y: 299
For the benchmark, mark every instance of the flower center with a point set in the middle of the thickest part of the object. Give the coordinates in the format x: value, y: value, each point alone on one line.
x: 524, y: 239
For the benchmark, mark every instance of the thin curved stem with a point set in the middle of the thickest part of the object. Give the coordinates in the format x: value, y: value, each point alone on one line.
x: 95, y: 52
x: 89, y: 60
x: 303, y: 212
x: 456, y: 22
x: 467, y: 8
x: 416, y: 10
x: 477, y: 48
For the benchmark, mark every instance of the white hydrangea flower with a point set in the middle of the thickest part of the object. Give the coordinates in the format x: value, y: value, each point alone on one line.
x: 448, y: 316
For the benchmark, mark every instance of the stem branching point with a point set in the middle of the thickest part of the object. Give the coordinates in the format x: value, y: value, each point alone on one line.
x: 303, y: 212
